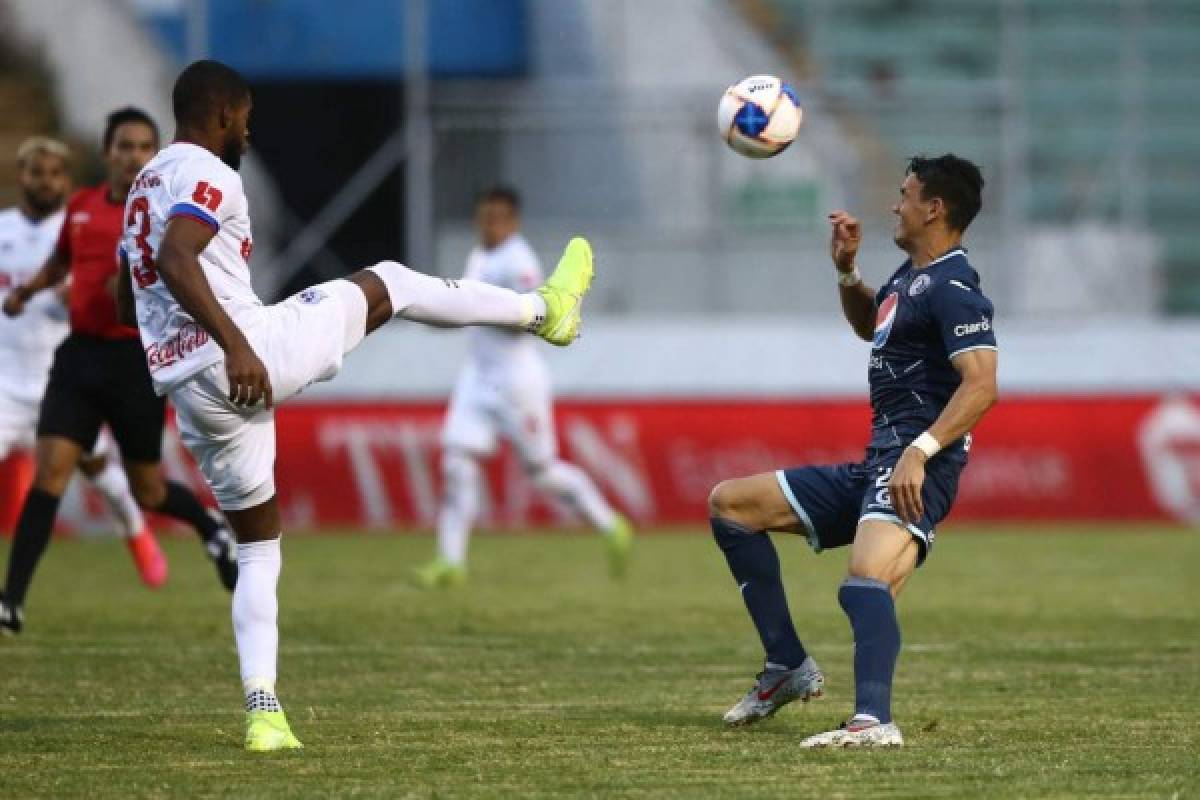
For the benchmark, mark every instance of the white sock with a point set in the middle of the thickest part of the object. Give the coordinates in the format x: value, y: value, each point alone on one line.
x: 113, y: 486
x: 460, y: 505
x: 255, y: 609
x: 455, y: 304
x: 572, y: 485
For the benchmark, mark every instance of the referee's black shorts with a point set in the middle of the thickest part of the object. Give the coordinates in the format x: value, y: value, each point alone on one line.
x: 95, y: 381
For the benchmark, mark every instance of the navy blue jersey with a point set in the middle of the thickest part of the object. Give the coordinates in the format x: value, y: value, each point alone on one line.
x: 925, y: 317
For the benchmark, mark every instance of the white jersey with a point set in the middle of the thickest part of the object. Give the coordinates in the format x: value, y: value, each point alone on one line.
x: 27, y: 342
x: 512, y: 265
x: 185, y: 180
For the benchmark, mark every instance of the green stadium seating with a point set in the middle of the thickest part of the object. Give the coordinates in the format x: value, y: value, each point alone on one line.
x: 891, y: 61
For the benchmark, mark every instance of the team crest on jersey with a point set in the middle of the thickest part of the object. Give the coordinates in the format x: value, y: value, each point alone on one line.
x: 312, y: 296
x: 920, y: 284
x: 884, y: 319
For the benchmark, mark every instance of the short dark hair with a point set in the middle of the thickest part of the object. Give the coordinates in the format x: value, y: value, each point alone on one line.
x: 956, y: 181
x: 123, y: 116
x: 203, y: 88
x: 500, y: 194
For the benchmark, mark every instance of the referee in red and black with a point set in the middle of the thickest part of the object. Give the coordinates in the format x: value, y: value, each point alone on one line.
x: 99, y: 375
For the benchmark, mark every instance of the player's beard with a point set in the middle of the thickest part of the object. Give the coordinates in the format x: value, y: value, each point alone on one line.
x: 43, y: 205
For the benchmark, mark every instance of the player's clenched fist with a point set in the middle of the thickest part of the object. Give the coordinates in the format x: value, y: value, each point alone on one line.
x: 248, y: 378
x: 14, y: 303
x: 845, y: 239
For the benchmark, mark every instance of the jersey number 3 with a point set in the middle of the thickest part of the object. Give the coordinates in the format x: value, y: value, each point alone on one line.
x: 143, y: 272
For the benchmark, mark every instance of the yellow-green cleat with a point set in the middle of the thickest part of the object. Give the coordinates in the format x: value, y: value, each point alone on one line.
x: 563, y: 292
x: 267, y: 731
x: 440, y: 574
x: 618, y: 541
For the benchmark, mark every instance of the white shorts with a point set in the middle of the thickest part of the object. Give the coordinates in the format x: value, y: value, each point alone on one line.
x: 517, y: 406
x: 18, y: 424
x: 301, y: 341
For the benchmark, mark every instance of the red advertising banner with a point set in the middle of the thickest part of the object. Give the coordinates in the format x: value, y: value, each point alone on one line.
x: 1035, y: 458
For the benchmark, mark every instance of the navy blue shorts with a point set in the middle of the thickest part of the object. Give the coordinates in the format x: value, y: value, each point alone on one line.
x: 832, y: 500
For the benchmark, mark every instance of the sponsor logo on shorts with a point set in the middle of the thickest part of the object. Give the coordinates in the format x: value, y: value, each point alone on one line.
x: 188, y: 339
x: 973, y: 327
x: 312, y: 296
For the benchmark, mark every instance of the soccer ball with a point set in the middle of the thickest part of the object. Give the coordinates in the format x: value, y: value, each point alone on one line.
x: 759, y: 116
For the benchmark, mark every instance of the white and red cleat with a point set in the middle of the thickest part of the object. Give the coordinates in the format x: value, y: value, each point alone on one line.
x: 774, y: 689
x: 149, y: 558
x: 859, y: 732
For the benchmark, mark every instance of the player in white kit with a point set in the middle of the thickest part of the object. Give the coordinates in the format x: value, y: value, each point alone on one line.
x: 225, y: 358
x: 29, y: 234
x: 504, y: 391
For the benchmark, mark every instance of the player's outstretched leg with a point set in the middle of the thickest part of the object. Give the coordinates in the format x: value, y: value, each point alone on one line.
x: 106, y: 475
x: 552, y: 312
x: 789, y: 672
x: 571, y: 485
x: 460, y: 506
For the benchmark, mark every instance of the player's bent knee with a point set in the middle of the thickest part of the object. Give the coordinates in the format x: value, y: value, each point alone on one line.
x: 887, y: 556
x: 722, y: 499
x: 150, y: 495
x: 739, y: 501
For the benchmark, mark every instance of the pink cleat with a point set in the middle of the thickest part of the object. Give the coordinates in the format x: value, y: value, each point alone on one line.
x: 150, y: 561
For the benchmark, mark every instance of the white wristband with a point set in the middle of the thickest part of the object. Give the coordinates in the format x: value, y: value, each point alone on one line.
x: 851, y: 278
x: 927, y: 444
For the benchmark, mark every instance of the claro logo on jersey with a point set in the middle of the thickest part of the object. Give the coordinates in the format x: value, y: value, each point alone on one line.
x: 966, y: 330
x: 884, y: 319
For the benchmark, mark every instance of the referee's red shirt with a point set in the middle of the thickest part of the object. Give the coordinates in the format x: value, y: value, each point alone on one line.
x: 89, y: 241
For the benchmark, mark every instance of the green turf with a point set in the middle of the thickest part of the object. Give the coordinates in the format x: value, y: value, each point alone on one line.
x: 1036, y: 665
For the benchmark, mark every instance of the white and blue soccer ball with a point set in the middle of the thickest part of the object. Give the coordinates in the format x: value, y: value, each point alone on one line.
x: 759, y: 116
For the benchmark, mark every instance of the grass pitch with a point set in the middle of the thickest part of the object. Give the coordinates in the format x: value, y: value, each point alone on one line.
x: 1035, y: 665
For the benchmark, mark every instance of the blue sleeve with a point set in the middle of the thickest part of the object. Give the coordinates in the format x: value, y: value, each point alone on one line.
x: 963, y: 316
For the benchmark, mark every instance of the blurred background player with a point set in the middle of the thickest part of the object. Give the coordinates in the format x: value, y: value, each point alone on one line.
x: 504, y: 391
x: 99, y: 374
x: 28, y: 235
x: 932, y: 374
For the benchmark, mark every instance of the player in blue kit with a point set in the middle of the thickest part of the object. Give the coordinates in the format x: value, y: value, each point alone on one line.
x: 932, y: 378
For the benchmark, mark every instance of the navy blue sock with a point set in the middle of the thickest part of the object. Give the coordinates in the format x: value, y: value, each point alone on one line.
x: 872, y: 612
x: 755, y: 566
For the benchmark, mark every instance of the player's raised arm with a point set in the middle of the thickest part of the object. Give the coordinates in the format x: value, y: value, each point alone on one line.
x: 858, y: 300
x: 179, y: 267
